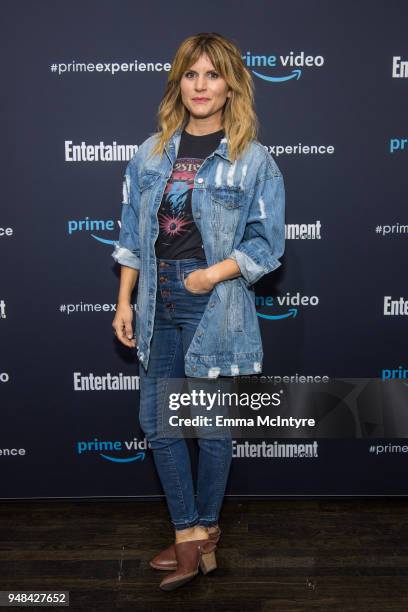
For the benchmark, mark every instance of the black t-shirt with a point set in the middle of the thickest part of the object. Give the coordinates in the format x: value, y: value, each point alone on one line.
x: 179, y: 237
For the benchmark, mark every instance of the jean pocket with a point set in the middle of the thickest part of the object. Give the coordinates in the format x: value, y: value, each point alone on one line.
x: 184, y: 276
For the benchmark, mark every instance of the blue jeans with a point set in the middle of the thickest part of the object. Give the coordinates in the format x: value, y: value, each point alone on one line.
x: 178, y: 312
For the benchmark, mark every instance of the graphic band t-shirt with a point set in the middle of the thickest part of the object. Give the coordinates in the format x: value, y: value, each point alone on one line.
x: 179, y: 236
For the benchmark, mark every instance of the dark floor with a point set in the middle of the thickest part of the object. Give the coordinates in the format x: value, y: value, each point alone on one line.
x: 273, y: 555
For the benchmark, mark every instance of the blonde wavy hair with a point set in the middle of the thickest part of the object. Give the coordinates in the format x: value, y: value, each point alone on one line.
x: 239, y: 119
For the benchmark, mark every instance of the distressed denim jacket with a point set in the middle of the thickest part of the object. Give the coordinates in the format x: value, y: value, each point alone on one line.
x: 239, y: 208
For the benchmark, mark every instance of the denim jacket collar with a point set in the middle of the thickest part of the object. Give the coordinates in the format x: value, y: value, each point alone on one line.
x: 172, y: 146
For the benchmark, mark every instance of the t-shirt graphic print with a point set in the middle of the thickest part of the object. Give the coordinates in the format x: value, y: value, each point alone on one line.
x: 175, y: 215
x: 179, y: 236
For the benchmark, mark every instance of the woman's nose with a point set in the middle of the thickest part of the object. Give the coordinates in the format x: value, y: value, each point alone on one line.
x: 200, y: 83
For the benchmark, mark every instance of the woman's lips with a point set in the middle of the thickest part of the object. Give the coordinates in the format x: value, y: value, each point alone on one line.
x: 200, y: 100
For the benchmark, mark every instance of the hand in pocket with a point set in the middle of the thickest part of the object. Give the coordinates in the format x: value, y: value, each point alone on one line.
x: 197, y: 281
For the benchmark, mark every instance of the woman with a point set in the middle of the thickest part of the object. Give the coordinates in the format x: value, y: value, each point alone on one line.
x: 202, y: 221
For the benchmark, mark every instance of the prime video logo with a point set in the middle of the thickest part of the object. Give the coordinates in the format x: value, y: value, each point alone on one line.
x: 287, y: 301
x: 105, y: 448
x: 93, y: 225
x: 399, y: 373
x: 258, y: 63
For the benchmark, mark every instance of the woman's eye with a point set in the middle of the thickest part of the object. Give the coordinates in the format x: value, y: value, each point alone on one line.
x: 212, y: 74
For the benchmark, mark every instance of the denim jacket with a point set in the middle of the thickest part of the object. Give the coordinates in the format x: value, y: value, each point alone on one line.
x: 239, y: 208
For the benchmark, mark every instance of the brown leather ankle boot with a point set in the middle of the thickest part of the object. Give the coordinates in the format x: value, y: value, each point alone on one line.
x: 191, y: 556
x: 166, y: 559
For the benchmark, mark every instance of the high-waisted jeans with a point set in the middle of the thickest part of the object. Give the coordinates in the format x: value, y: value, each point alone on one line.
x: 178, y: 312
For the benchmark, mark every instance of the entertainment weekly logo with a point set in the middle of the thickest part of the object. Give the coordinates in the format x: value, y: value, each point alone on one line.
x: 303, y: 231
x: 399, y: 68
x: 105, y: 152
x: 395, y: 307
x: 275, y: 450
x: 105, y: 382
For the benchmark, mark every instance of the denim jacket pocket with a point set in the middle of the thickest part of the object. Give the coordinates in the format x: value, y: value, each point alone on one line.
x: 148, y: 179
x: 227, y: 203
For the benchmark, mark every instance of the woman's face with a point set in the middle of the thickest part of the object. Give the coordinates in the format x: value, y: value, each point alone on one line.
x: 203, y: 90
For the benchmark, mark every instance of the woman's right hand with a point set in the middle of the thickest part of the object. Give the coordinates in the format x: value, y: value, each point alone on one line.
x: 122, y: 324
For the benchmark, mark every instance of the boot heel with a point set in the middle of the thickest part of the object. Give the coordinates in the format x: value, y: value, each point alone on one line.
x: 208, y: 562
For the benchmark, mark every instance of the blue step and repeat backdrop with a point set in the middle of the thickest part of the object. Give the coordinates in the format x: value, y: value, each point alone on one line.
x: 81, y: 85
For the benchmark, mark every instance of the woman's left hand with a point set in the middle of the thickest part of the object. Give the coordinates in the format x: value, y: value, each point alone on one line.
x: 198, y: 281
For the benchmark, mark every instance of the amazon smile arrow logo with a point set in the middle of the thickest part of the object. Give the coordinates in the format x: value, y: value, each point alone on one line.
x: 295, y: 75
x: 104, y: 240
x: 140, y: 456
x: 292, y: 312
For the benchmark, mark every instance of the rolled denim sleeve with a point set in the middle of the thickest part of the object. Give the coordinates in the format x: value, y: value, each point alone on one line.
x: 127, y: 248
x: 263, y: 242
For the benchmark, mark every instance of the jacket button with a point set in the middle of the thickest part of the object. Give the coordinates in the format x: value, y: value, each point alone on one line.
x: 194, y: 368
x: 211, y: 305
x: 199, y: 333
x: 200, y: 180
